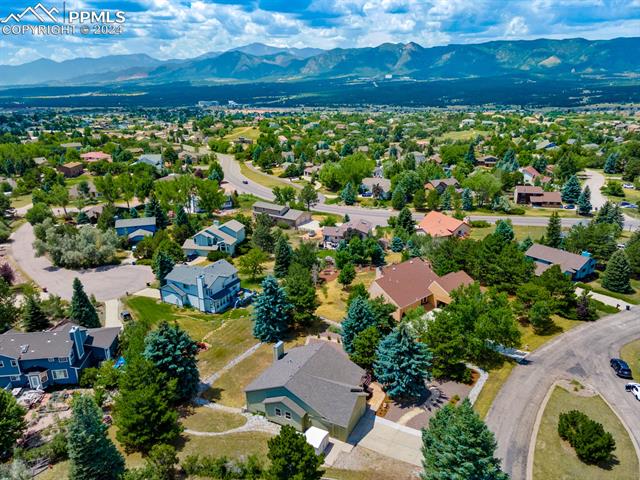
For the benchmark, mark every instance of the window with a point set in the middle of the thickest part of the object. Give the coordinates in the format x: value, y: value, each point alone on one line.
x: 15, y: 378
x: 60, y: 374
x: 14, y: 363
x: 51, y: 360
x: 1, y: 364
x: 278, y: 412
x: 287, y: 415
x: 62, y: 360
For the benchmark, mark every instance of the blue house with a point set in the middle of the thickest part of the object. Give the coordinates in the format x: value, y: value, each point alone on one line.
x: 576, y: 266
x: 211, y: 289
x: 154, y: 160
x: 135, y: 229
x: 223, y: 238
x: 57, y: 356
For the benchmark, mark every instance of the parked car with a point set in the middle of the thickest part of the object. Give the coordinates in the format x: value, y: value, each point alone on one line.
x: 627, y: 205
x: 245, y: 182
x: 621, y: 368
x: 628, y: 186
x: 570, y: 206
x: 633, y: 388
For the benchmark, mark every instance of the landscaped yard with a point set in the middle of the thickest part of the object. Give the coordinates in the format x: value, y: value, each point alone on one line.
x: 333, y: 298
x: 630, y: 353
x: 521, y: 232
x: 634, y: 298
x: 203, y: 419
x: 532, y: 341
x: 556, y: 459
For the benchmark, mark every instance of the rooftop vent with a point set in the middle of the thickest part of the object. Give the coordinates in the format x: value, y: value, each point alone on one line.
x: 24, y: 348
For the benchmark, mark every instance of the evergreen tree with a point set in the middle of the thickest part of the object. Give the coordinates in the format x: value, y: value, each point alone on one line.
x: 445, y: 200
x: 302, y: 294
x: 458, y: 445
x: 33, y: 318
x: 365, y: 346
x: 82, y: 219
x: 143, y: 411
x: 153, y: 209
x: 470, y: 156
x: 397, y: 245
x: 182, y: 218
x: 292, y: 458
x: 347, y: 274
x: 611, y: 214
x: 467, y: 200
x: 405, y: 223
x: 419, y: 199
x: 272, y: 312
x: 173, y: 352
x: 571, y: 190
x: 12, y: 423
x: 584, y: 202
x: 359, y: 317
x: 82, y: 310
x: 348, y: 194
x: 525, y: 244
x: 283, y: 254
x: 262, y: 236
x: 215, y: 172
x: 8, y: 310
x: 133, y: 213
x: 92, y: 455
x: 504, y: 231
x: 446, y: 341
x: 553, y: 237
x: 585, y: 307
x: 162, y: 265
x: 618, y: 273
x: 399, y: 198
x: 611, y: 163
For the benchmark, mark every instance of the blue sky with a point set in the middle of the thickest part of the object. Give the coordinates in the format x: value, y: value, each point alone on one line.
x: 182, y: 29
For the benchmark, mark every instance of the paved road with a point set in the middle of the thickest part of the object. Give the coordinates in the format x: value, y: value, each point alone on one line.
x: 582, y: 353
x: 595, y: 181
x: 233, y: 175
x: 104, y: 282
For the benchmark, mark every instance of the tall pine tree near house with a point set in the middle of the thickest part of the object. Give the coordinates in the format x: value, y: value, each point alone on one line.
x: 283, y: 254
x: 470, y: 156
x: 359, y: 316
x: 133, y: 213
x: 348, y: 194
x: 611, y: 163
x: 302, y: 294
x: 504, y: 231
x: 172, y: 350
x: 154, y: 209
x: 571, y: 190
x: 553, y: 237
x: 402, y: 364
x: 182, y: 218
x: 292, y: 458
x: 458, y: 445
x: 617, y: 275
x: 162, y: 265
x: 584, y: 201
x: 82, y: 310
x: 92, y: 454
x: 272, y: 312
x: 467, y: 200
x: 405, y: 223
x: 585, y: 307
x: 33, y: 318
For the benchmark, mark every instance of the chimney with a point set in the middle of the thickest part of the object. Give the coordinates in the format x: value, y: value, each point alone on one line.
x: 200, y: 287
x: 278, y: 351
x: 78, y: 336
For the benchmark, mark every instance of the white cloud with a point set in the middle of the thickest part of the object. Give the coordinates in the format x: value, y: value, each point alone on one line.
x: 517, y: 27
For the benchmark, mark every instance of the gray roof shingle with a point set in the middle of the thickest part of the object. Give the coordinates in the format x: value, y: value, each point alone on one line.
x: 188, y: 274
x: 135, y: 222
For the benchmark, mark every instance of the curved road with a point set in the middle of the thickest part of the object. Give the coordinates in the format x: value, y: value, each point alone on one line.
x: 582, y: 353
x: 234, y: 176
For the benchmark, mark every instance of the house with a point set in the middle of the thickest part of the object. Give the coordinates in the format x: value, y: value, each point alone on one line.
x: 223, y: 238
x: 547, y: 200
x: 74, y: 191
x: 282, y: 213
x: 545, y: 145
x: 39, y: 160
x: 332, y: 236
x: 136, y: 228
x: 441, y: 184
x: 413, y: 284
x: 377, y: 187
x: 211, y: 289
x: 53, y: 357
x: 91, y: 157
x: 71, y: 169
x: 154, y: 160
x: 439, y: 225
x: 530, y: 175
x: 310, y: 171
x: 488, y: 161
x: 72, y: 145
x: 315, y: 385
x: 572, y: 264
x: 536, y: 197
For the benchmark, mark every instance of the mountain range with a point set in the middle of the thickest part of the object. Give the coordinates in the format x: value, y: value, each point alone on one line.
x: 569, y: 59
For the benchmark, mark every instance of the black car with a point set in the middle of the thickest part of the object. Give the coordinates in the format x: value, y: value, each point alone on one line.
x: 621, y: 368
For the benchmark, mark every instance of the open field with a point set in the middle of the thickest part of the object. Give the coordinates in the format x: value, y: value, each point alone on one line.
x: 630, y: 353
x: 521, y: 232
x: 269, y: 181
x: 556, y: 459
x: 203, y: 419
x: 247, y: 132
x: 333, y: 298
x: 462, y: 136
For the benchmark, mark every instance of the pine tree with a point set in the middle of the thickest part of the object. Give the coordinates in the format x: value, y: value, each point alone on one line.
x: 162, y: 265
x: 445, y: 200
x: 470, y: 156
x: 525, y: 244
x: 272, y: 312
x: 397, y: 245
x: 82, y: 219
x: 133, y: 213
x: 154, y: 209
x: 283, y: 254
x: 348, y: 194
x: 611, y: 163
x: 292, y: 458
x: 173, y: 352
x: 458, y: 445
x: 584, y: 202
x: 347, y: 274
x: 585, y: 308
x: 33, y: 318
x: 553, y: 237
x: 82, y: 310
x: 262, y: 236
x: 467, y: 200
x: 365, y: 346
x: 611, y: 214
x: 540, y: 318
x: 571, y: 190
x: 12, y: 423
x: 359, y: 317
x: 405, y: 223
x: 618, y: 273
x: 302, y: 294
x: 92, y: 454
x: 504, y: 231
x: 402, y: 364
x: 181, y: 217
x: 399, y: 198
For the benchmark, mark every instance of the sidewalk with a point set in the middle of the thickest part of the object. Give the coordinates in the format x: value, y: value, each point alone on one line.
x: 607, y: 300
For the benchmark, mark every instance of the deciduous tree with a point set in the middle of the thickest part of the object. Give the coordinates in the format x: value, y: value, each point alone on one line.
x: 12, y: 423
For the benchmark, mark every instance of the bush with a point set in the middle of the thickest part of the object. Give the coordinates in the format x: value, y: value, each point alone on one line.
x: 283, y: 225
x: 216, y: 255
x: 222, y: 467
x: 588, y: 438
x: 517, y: 211
x: 479, y: 224
x: 88, y: 377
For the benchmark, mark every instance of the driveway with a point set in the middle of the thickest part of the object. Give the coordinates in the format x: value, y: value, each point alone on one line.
x: 595, y: 181
x: 113, y: 281
x: 582, y: 353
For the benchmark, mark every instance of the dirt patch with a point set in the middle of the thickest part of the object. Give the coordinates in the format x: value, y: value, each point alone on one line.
x: 575, y: 387
x: 381, y: 467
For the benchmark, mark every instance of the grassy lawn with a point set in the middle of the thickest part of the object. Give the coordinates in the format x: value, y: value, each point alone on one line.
x: 532, y: 341
x: 630, y: 353
x: 247, y: 132
x: 633, y: 298
x: 333, y: 298
x: 203, y: 419
x: 521, y: 232
x: 262, y: 178
x: 462, y: 136
x: 556, y: 459
x: 21, y: 201
x: 494, y: 383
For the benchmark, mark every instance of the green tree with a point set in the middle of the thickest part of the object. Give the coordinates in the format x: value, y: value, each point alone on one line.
x: 585, y: 307
x: 571, y: 190
x: 292, y: 458
x: 419, y: 199
x: 610, y: 165
x: 210, y: 195
x: 33, y: 318
x: 584, y: 202
x: 470, y: 156
x: 173, y: 352
x: 632, y: 249
x: 347, y: 274
x: 143, y: 411
x: 12, y: 423
x: 162, y: 265
x: 302, y: 294
x: 284, y: 195
x: 402, y: 364
x: 107, y: 187
x: 8, y: 310
x: 397, y: 245
x: 398, y: 198
x: 589, y: 439
x: 467, y: 200
x: 283, y: 255
x: 405, y: 224
x: 618, y: 273
x: 458, y: 445
x: 82, y: 310
x: 348, y: 194
x: 553, y: 237
x: 504, y: 231
x: 154, y: 209
x: 262, y: 236
x: 308, y: 196
x: 162, y: 461
x: 59, y: 195
x: 272, y: 312
x: 359, y: 317
x: 447, y: 344
x: 365, y: 345
x: 560, y: 287
x: 216, y: 172
x: 38, y: 213
x: 92, y: 454
x: 252, y: 263
x: 540, y: 318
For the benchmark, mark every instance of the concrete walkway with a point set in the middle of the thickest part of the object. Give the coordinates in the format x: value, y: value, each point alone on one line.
x: 112, y: 313
x: 607, y: 300
x: 148, y: 292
